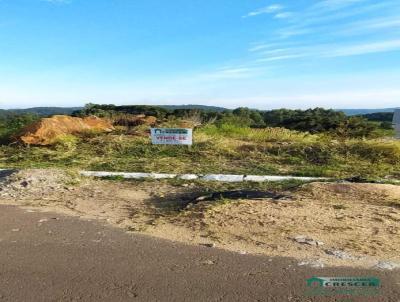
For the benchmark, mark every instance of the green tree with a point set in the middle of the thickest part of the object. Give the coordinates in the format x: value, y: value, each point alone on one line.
x: 356, y: 127
x: 12, y: 124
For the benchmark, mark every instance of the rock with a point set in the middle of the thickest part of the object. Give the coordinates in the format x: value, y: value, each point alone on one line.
x: 132, y: 294
x: 387, y: 265
x: 24, y: 184
x: 208, y: 262
x: 208, y: 244
x: 340, y: 254
x: 306, y: 240
x: 15, y: 230
x: 43, y: 220
x: 239, y: 194
x: 312, y: 263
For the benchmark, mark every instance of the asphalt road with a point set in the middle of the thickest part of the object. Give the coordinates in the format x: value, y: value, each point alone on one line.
x: 68, y: 259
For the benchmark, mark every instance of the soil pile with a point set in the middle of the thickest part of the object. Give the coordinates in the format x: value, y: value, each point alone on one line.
x: 48, y: 130
x: 36, y: 183
x: 357, y: 192
x: 130, y: 120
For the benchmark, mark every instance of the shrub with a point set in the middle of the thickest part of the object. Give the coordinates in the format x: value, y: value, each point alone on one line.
x: 67, y: 141
x: 311, y: 120
x: 356, y: 127
x: 374, y: 151
x: 12, y: 124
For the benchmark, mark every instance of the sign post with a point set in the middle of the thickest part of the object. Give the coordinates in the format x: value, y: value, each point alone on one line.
x: 171, y: 136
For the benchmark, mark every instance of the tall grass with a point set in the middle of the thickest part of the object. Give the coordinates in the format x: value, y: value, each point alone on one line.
x: 218, y: 149
x: 256, y: 135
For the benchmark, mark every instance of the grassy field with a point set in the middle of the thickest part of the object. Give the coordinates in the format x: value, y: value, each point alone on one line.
x: 223, y: 149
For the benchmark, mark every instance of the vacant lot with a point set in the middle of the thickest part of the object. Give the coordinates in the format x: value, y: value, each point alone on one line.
x: 224, y: 149
x: 353, y: 224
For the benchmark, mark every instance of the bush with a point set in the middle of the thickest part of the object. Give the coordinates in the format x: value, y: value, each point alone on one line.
x: 112, y: 110
x: 311, y: 120
x: 12, y: 124
x: 356, y: 127
x: 235, y: 121
x: 387, y: 125
x: 373, y: 151
x: 67, y: 141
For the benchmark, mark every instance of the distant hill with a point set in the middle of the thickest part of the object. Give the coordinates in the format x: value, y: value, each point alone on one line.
x: 42, y: 111
x: 379, y: 116
x: 365, y: 111
x: 47, y: 111
x: 202, y: 107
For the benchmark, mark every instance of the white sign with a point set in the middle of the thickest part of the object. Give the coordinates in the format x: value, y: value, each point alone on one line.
x: 396, y: 122
x: 171, y: 136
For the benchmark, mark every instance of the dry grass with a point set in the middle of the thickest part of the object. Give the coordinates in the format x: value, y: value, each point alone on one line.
x: 225, y: 149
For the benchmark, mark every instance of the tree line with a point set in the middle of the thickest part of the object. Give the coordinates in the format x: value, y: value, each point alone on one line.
x: 316, y: 120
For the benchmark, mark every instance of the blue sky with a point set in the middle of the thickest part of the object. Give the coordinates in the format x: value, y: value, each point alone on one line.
x: 260, y: 54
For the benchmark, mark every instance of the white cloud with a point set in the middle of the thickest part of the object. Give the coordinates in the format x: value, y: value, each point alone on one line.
x: 297, y: 99
x: 336, y: 4
x: 372, y: 25
x: 282, y: 57
x: 363, y: 90
x: 327, y: 51
x: 289, y: 32
x: 276, y: 51
x: 283, y: 15
x: 327, y: 20
x: 323, y: 19
x: 361, y: 49
x: 265, y: 10
x: 230, y: 73
x: 259, y: 47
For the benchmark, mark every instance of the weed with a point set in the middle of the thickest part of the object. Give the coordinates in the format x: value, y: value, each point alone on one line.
x: 217, y: 149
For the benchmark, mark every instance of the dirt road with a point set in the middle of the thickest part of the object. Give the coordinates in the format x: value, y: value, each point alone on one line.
x: 49, y: 257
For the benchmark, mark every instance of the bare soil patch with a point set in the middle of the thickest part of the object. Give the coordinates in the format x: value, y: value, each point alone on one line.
x: 47, y: 130
x: 331, y: 223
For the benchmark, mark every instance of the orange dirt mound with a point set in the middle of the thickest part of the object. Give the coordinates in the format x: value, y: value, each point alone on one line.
x: 129, y: 120
x: 187, y: 124
x: 47, y: 130
x: 150, y: 120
